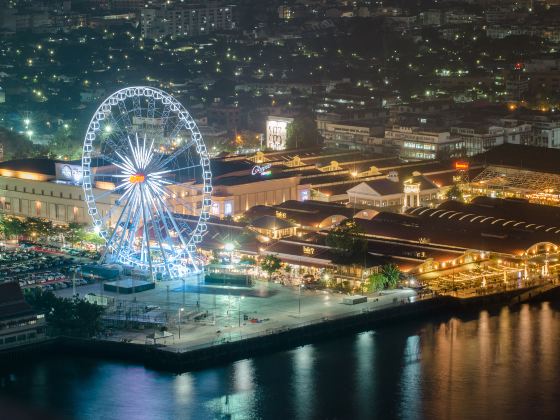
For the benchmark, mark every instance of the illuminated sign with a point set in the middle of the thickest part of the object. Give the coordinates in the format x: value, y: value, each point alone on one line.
x: 411, y: 188
x: 462, y: 166
x: 137, y: 178
x: 261, y: 169
x: 277, y: 132
x: 280, y: 214
x: 307, y: 250
x: 67, y: 172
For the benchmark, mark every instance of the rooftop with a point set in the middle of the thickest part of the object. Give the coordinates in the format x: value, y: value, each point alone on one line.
x: 12, y: 303
x: 531, y: 158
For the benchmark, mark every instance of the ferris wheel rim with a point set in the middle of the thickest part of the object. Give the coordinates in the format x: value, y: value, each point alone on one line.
x: 185, y: 121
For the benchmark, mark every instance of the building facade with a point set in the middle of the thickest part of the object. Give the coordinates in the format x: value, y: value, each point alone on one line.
x: 186, y: 20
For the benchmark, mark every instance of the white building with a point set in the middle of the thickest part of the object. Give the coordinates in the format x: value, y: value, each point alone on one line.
x: 277, y: 132
x: 392, y: 192
x: 420, y: 143
x: 186, y: 19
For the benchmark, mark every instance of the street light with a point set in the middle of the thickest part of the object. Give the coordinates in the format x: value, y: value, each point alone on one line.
x: 229, y: 247
x: 180, y: 310
x: 239, y: 309
x: 299, y: 300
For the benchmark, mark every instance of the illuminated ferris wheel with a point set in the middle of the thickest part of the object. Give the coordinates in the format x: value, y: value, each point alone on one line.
x: 144, y: 155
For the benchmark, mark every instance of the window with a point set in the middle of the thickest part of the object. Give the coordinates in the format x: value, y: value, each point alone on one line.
x: 10, y: 340
x: 21, y: 337
x: 61, y: 195
x: 228, y: 209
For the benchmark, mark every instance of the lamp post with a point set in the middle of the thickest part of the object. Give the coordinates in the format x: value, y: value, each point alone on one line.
x: 180, y: 310
x: 299, y: 300
x: 229, y: 247
x: 239, y: 309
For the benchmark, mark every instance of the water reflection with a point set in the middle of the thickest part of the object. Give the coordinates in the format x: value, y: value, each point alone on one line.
x: 499, y: 364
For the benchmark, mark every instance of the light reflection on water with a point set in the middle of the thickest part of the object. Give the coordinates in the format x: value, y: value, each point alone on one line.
x: 499, y: 364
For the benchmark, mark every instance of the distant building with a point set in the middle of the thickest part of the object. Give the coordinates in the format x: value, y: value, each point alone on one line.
x: 351, y: 135
x: 19, y: 324
x: 186, y: 19
x: 392, y: 192
x: 477, y: 138
x: 421, y: 143
x: 277, y: 132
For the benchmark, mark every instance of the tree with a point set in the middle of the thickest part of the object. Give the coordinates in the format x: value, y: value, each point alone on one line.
x: 392, y: 275
x: 93, y: 238
x: 39, y: 228
x: 66, y: 316
x: 347, y: 241
x: 74, y: 232
x: 271, y: 264
x: 302, y: 132
x: 454, y: 193
x: 65, y: 144
x: 12, y: 226
x: 375, y: 282
x: 17, y: 146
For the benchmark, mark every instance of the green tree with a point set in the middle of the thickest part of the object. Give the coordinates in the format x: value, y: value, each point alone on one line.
x: 392, y: 275
x: 93, y: 238
x: 347, y: 241
x: 74, y: 232
x: 17, y: 146
x: 302, y: 132
x: 65, y: 144
x: 39, y: 228
x: 271, y: 264
x: 454, y: 193
x: 12, y: 227
x: 375, y: 282
x: 66, y: 316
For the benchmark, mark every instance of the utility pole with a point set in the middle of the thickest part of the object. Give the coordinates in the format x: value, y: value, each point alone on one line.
x: 180, y: 310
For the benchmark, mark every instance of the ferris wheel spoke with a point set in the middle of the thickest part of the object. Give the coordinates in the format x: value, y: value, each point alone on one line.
x: 116, y: 133
x: 173, y: 222
x: 166, y: 227
x: 181, y: 124
x: 137, y: 108
x: 151, y: 107
x: 108, y: 192
x: 124, y: 116
x: 145, y: 222
x: 189, y: 206
x: 157, y: 234
x: 118, y: 225
x: 177, y: 153
x: 135, y: 220
x: 169, y: 171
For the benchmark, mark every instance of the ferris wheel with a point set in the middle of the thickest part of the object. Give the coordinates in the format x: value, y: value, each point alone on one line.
x: 147, y: 181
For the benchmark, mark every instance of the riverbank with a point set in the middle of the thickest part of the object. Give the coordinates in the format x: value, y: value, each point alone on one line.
x: 173, y: 360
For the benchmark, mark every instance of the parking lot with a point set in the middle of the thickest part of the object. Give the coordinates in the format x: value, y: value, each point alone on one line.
x: 39, y: 266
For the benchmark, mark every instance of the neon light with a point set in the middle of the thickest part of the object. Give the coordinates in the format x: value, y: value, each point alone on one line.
x: 137, y: 178
x: 462, y: 165
x: 262, y: 170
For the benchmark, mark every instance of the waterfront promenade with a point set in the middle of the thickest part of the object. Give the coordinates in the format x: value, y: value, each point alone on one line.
x: 233, y: 313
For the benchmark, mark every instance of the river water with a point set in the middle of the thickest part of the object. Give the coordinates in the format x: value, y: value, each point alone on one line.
x: 503, y: 364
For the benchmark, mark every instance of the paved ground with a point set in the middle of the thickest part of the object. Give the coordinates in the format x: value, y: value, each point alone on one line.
x: 272, y: 306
